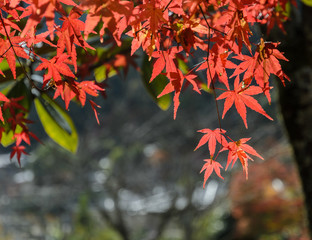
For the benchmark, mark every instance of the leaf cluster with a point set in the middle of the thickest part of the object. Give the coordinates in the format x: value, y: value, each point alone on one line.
x: 69, y: 49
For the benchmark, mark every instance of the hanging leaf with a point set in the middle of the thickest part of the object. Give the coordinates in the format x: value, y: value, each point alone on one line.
x: 57, y: 123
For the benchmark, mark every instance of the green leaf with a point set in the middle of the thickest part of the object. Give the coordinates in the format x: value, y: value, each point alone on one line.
x: 156, y: 86
x: 6, y: 87
x: 100, y: 73
x: 307, y: 2
x: 20, y: 89
x: 183, y: 66
x: 57, y: 123
x: 7, y: 137
x: 4, y: 66
x: 204, y: 87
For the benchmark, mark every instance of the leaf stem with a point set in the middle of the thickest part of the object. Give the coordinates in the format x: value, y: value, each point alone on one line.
x: 209, y: 70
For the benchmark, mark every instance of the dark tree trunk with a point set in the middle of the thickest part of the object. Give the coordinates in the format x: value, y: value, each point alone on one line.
x: 296, y: 99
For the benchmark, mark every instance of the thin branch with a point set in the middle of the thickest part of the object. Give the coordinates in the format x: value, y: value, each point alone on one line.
x: 5, y: 52
x: 209, y: 70
x: 167, y: 5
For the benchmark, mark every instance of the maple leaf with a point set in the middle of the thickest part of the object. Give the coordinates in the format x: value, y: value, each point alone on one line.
x: 31, y: 38
x: 239, y: 150
x: 89, y: 87
x: 211, y: 137
x: 217, y: 59
x: 43, y: 8
x: 56, y: 66
x: 209, y: 167
x: 70, y: 89
x: 163, y: 28
x: 10, y: 6
x: 24, y: 136
x: 6, y: 51
x: 241, y: 97
x: 8, y: 22
x: 67, y: 90
x: 94, y: 106
x: 114, y: 15
x: 18, y: 119
x: 175, y: 85
x: 13, y: 104
x: 165, y: 59
x: 267, y: 56
x: 154, y: 16
x: 236, y: 28
x: 186, y: 30
x: 239, y: 29
x: 70, y: 34
x: 260, y: 66
x: 18, y: 150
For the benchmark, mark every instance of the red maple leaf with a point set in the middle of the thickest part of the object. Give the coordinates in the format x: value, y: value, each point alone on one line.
x: 165, y: 59
x: 70, y: 34
x: 114, y: 15
x: 211, y: 137
x: 32, y: 38
x: 239, y: 150
x: 217, y: 59
x: 6, y: 51
x: 43, y: 8
x: 175, y: 85
x: 18, y: 150
x: 209, y: 167
x: 94, y: 106
x: 241, y: 97
x: 236, y: 27
x: 56, y: 66
x: 150, y: 16
x: 67, y: 90
x: 260, y: 66
x: 24, y: 136
x: 87, y: 87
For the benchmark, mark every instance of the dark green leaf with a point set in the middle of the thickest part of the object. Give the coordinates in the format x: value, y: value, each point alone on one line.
x: 156, y: 86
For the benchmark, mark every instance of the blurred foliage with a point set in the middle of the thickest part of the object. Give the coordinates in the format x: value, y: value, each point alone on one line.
x: 4, y: 235
x: 86, y: 228
x: 210, y: 224
x: 270, y: 204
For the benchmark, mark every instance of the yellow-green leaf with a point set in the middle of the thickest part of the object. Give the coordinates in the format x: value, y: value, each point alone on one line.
x: 100, y: 73
x: 307, y: 2
x: 7, y: 138
x: 57, y: 123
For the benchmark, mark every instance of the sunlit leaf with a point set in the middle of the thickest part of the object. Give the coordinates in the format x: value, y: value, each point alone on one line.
x: 57, y: 123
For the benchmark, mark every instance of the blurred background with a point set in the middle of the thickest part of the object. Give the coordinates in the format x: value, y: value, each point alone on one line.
x: 136, y: 177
